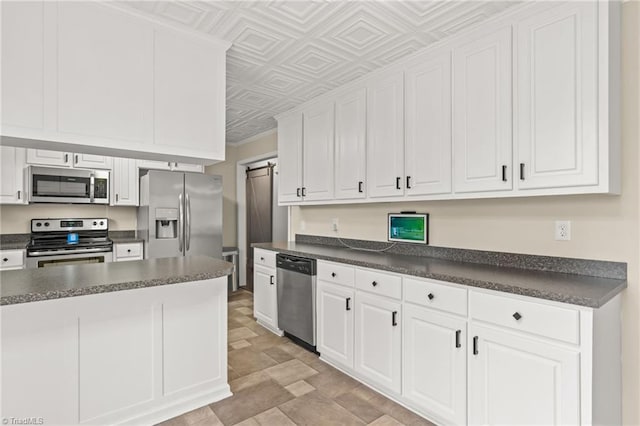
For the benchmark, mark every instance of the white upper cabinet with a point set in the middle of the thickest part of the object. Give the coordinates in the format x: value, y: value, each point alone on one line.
x: 385, y: 136
x: 482, y: 113
x: 189, y: 82
x: 45, y: 157
x: 124, y: 181
x: 12, y: 185
x: 184, y: 167
x: 22, y: 64
x: 317, y: 152
x: 104, y: 73
x: 93, y: 74
x: 350, y: 144
x: 90, y: 161
x: 427, y: 163
x: 290, y: 157
x: 557, y: 97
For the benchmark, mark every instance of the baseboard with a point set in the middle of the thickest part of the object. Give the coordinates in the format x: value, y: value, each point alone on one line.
x: 275, y: 331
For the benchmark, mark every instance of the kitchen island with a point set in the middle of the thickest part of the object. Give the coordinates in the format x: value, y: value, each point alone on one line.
x: 132, y: 342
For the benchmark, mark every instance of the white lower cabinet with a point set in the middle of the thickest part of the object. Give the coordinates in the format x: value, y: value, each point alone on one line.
x: 265, y: 296
x: 12, y: 259
x: 128, y: 251
x: 378, y: 338
x: 335, y: 307
x: 521, y: 380
x: 12, y: 182
x: 434, y: 363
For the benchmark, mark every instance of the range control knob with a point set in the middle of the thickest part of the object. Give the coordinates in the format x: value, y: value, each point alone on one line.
x: 95, y: 223
x: 101, y: 223
x: 38, y: 224
x: 46, y: 224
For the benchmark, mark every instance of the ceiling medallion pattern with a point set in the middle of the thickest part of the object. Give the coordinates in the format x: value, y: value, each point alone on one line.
x: 287, y: 52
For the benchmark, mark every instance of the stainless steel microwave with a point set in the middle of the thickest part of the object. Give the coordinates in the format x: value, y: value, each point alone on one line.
x: 51, y: 185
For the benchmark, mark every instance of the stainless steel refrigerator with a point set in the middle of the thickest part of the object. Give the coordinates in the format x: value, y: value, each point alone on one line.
x: 180, y: 214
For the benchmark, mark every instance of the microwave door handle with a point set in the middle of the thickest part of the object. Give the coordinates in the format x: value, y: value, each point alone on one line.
x: 180, y: 221
x: 92, y: 187
x: 188, y: 223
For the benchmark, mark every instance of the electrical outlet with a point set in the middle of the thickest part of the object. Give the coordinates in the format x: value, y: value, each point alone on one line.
x: 563, y: 230
x: 334, y: 224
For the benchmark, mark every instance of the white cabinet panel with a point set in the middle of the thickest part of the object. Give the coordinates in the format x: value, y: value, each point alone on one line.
x: 154, y: 165
x: 515, y: 380
x: 482, y: 113
x: 105, y: 70
x: 557, y: 97
x: 290, y: 157
x: 11, y: 259
x: 335, y: 323
x: 350, y: 155
x: 127, y: 251
x: 189, y: 81
x: 317, y: 152
x: 435, y: 363
x: 90, y: 161
x: 12, y: 185
x: 265, y: 296
x: 125, y: 182
x: 428, y: 125
x: 22, y: 64
x: 184, y: 167
x: 378, y: 338
x: 385, y: 136
x: 46, y: 157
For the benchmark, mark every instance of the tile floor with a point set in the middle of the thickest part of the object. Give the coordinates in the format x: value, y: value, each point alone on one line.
x: 275, y: 382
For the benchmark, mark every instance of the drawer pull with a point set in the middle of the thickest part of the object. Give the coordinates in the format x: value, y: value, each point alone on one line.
x: 348, y: 299
x: 271, y: 280
x: 517, y: 316
x: 297, y: 192
x: 360, y: 189
x: 333, y: 274
x: 475, y: 345
x: 521, y: 171
x: 430, y: 296
x: 262, y: 259
x: 394, y: 321
x: 374, y: 283
x: 458, y: 333
x: 398, y: 179
x: 5, y: 259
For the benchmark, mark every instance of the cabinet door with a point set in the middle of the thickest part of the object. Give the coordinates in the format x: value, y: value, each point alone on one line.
x: 264, y: 295
x: 189, y: 93
x: 385, y: 137
x: 12, y: 164
x: 435, y: 363
x: 22, y: 64
x: 290, y: 157
x: 518, y: 380
x: 125, y: 182
x: 105, y: 70
x: 154, y: 165
x: 44, y: 157
x: 317, y: 152
x: 184, y: 167
x: 335, y: 323
x: 482, y: 113
x: 428, y: 126
x: 350, y: 155
x: 378, y: 341
x: 557, y: 97
x: 90, y: 161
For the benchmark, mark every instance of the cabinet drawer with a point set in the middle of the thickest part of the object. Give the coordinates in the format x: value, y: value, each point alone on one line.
x: 11, y: 259
x: 128, y: 250
x: 544, y: 320
x: 377, y: 282
x: 336, y: 273
x: 264, y: 257
x: 436, y: 295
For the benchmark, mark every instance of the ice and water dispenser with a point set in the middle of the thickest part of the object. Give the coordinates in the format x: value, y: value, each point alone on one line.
x: 166, y: 223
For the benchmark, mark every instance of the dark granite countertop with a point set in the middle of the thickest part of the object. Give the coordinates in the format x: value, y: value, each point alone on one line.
x: 32, y: 285
x: 576, y: 289
x: 123, y: 237
x: 14, y: 241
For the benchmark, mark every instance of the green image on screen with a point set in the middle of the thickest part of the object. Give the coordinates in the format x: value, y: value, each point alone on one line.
x: 407, y: 228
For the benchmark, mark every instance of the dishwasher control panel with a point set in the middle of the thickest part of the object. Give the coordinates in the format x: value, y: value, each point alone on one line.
x: 296, y: 264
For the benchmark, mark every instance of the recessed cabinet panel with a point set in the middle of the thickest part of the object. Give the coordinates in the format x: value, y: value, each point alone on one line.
x: 428, y: 126
x: 385, y: 137
x: 125, y: 182
x: 317, y: 152
x: 557, y: 95
x: 290, y: 158
x: 482, y: 113
x: 46, y: 157
x: 335, y: 323
x: 12, y: 164
x: 23, y: 64
x: 350, y: 145
x: 105, y: 72
x: 265, y: 296
x: 90, y: 161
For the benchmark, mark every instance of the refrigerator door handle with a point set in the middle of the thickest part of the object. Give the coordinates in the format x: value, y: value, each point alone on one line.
x: 188, y: 223
x: 180, y: 222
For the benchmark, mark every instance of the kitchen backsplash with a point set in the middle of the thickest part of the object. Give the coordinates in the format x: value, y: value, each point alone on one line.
x: 17, y: 219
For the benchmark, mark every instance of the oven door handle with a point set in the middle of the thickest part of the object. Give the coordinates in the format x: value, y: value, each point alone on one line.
x: 75, y: 251
x: 92, y: 187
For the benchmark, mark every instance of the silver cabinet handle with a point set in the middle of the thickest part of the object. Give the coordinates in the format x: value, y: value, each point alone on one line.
x: 19, y: 194
x: 92, y: 187
x: 180, y: 222
x: 188, y: 222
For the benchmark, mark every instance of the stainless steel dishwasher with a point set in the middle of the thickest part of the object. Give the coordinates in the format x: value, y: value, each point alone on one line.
x: 297, y: 298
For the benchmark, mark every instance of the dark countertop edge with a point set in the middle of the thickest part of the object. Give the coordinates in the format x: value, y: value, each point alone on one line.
x: 125, y: 240
x: 108, y: 288
x: 505, y: 288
